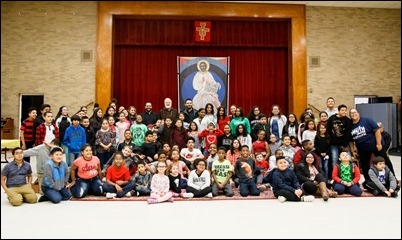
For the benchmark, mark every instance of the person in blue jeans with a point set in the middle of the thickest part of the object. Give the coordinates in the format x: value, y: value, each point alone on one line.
x: 86, y: 174
x: 246, y: 171
x: 118, y: 180
x: 55, y: 178
x: 338, y: 128
x: 346, y: 176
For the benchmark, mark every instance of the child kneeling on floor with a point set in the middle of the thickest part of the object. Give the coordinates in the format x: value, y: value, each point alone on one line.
x: 284, y: 183
x: 245, y: 170
x: 55, y: 185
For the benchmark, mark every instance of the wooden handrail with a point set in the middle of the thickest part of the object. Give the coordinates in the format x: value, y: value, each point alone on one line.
x: 313, y: 107
x: 89, y: 104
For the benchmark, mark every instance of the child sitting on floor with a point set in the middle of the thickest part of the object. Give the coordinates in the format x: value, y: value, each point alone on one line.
x: 261, y: 164
x: 160, y: 186
x: 382, y: 181
x: 222, y: 173
x: 199, y: 181
x: 118, y: 180
x: 142, y: 179
x: 284, y: 183
x: 346, y: 176
x: 177, y: 184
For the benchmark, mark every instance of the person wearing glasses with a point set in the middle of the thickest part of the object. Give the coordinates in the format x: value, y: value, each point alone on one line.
x: 366, y: 141
x: 16, y: 179
x: 199, y: 181
x: 160, y: 186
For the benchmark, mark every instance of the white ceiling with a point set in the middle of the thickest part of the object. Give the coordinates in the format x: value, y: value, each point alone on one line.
x: 355, y: 4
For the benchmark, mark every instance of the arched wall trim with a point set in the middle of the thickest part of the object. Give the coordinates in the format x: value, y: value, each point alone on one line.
x: 297, y: 58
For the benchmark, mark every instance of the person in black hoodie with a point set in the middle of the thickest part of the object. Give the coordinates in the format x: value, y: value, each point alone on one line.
x: 89, y: 131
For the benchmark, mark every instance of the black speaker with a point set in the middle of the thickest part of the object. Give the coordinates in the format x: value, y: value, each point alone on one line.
x: 380, y: 100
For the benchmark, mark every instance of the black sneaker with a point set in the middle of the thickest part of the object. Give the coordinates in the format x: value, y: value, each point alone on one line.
x: 376, y: 193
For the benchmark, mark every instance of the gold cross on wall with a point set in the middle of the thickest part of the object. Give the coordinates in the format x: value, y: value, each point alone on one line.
x: 202, y: 30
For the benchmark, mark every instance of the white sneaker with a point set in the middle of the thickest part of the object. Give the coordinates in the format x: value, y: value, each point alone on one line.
x: 308, y: 198
x: 128, y: 194
x: 188, y: 195
x: 282, y: 199
x: 209, y: 195
x: 111, y: 195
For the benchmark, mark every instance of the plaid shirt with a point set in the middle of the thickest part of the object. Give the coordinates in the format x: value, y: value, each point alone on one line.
x: 41, y: 133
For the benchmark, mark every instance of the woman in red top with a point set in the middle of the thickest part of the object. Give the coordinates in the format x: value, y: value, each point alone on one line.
x: 222, y: 118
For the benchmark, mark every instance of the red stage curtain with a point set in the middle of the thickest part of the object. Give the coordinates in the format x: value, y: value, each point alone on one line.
x: 145, y: 60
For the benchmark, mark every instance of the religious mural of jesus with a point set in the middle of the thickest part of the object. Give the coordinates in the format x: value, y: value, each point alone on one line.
x: 204, y: 80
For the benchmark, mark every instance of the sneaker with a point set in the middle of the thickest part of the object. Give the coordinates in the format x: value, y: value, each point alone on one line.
x: 188, y: 195
x: 308, y: 198
x: 111, y: 195
x: 152, y: 201
x: 171, y: 199
x: 376, y: 192
x: 209, y: 195
x: 128, y: 194
x: 261, y: 187
x: 282, y: 199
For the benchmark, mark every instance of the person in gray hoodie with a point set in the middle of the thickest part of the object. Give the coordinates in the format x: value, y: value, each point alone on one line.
x: 382, y: 181
x: 42, y: 155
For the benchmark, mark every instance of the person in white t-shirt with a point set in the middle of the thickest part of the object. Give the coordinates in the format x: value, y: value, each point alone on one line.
x: 190, y: 153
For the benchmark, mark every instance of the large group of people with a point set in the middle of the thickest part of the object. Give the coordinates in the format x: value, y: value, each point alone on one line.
x: 198, y: 153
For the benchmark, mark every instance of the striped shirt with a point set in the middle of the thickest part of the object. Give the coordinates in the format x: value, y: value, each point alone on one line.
x: 27, y: 127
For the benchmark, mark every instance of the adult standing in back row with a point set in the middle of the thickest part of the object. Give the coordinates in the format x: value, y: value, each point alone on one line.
x: 149, y: 117
x: 168, y: 111
x: 367, y: 140
x: 189, y: 112
x: 276, y: 122
x: 331, y: 109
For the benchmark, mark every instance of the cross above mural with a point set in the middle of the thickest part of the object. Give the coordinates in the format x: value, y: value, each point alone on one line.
x: 202, y: 31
